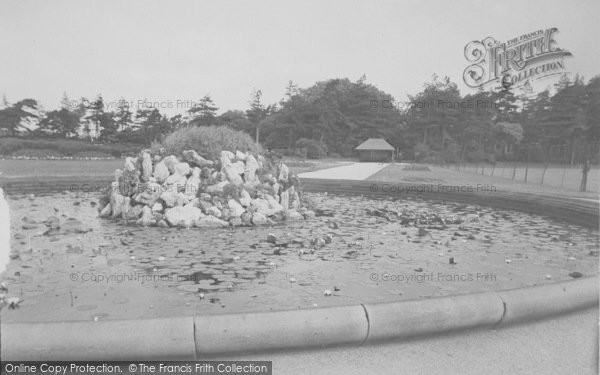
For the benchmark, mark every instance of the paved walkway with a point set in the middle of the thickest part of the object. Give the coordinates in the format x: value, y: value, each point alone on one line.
x: 562, y: 345
x: 356, y: 171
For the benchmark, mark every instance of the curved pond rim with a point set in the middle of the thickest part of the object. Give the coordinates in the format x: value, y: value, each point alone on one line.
x: 203, y: 336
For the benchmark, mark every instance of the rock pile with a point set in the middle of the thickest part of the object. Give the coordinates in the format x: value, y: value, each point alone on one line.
x: 237, y: 189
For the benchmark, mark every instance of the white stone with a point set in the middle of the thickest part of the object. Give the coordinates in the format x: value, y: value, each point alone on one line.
x: 284, y: 199
x: 235, y: 209
x: 192, y: 157
x: 147, y: 217
x: 146, y: 166
x: 259, y: 219
x: 216, y: 188
x: 238, y: 167
x: 250, y: 170
x: 175, y: 182
x: 192, y: 184
x: 130, y: 164
x: 161, y: 172
x: 210, y: 221
x: 295, y: 201
x: 183, y: 216
x: 261, y: 206
x: 106, y: 211
x: 293, y: 215
x: 214, y: 211
x: 150, y: 194
x: 274, y: 206
x: 157, y: 207
x: 116, y: 202
x: 231, y: 175
x: 241, y: 155
x: 169, y: 197
x: 284, y: 172
x: 182, y: 169
x: 170, y: 162
x: 245, y: 198
x: 276, y: 187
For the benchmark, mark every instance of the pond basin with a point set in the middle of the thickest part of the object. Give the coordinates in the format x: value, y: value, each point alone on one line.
x: 359, y: 249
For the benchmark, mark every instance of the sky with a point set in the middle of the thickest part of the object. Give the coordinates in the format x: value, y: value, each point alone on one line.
x: 174, y: 52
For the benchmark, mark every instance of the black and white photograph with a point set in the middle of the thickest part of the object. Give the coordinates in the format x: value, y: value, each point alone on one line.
x: 299, y: 187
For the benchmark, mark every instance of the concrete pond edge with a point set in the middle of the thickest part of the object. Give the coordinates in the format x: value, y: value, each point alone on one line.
x: 205, y: 336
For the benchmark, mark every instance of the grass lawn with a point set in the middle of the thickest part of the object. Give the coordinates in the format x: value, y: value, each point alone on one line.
x: 82, y: 168
x: 58, y: 168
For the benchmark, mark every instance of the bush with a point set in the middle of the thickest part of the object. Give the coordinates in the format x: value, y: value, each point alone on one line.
x: 208, y: 141
x: 314, y: 148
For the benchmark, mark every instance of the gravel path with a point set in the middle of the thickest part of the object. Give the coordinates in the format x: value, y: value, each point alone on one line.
x: 356, y: 171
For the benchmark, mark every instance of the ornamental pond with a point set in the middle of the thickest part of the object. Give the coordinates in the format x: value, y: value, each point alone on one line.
x: 356, y: 250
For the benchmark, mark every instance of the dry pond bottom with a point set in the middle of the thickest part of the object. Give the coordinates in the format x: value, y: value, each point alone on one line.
x: 356, y: 250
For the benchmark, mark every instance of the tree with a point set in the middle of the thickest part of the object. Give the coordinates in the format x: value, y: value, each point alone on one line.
x: 257, y: 112
x: 66, y: 103
x: 4, y: 103
x: 204, y: 113
x: 123, y: 115
x: 236, y: 120
x: 94, y: 117
x: 61, y: 122
x: 108, y: 127
x: 151, y: 124
x: 13, y: 116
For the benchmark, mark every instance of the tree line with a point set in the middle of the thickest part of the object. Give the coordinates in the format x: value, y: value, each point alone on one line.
x: 331, y: 118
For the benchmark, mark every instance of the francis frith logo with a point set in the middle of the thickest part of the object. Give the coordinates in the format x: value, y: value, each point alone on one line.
x: 515, y: 62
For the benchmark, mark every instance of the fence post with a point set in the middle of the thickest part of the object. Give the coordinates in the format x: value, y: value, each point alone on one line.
x: 544, y: 173
x: 562, y: 181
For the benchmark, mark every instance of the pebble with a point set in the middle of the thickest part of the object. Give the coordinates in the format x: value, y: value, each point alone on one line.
x: 201, y: 295
x: 327, y: 293
x: 161, y: 259
x: 132, y: 257
x: 508, y: 261
x: 548, y: 277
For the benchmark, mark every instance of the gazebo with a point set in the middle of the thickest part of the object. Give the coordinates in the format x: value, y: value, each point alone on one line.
x: 375, y: 150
